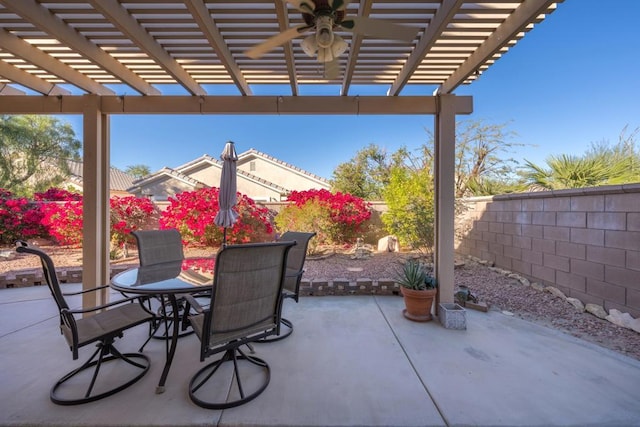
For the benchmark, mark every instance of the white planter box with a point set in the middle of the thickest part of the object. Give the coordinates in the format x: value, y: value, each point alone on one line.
x: 452, y: 316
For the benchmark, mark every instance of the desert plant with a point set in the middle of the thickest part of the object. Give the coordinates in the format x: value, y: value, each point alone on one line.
x: 414, y: 275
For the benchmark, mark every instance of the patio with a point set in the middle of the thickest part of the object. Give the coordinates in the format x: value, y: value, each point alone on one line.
x: 352, y: 361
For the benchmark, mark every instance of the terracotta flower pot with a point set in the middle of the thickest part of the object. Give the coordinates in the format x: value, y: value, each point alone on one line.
x: 418, y: 303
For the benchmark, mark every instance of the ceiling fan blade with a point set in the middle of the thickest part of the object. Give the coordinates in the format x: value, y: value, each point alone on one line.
x: 304, y: 6
x: 279, y: 39
x: 338, y: 4
x: 379, y: 28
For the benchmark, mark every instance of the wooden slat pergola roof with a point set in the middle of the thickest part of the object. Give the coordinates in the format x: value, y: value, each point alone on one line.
x: 104, y: 57
x: 115, y: 47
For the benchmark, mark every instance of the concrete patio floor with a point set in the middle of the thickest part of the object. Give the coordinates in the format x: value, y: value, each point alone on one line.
x: 351, y: 361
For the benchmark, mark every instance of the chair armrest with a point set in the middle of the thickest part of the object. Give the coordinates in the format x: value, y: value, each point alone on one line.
x: 103, y: 306
x: 194, y: 303
x: 97, y: 288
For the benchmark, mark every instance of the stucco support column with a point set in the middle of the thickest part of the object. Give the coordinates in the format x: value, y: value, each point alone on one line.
x: 445, y: 139
x: 95, y: 189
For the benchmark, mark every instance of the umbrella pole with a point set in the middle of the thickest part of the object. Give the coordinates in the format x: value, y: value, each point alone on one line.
x: 224, y: 237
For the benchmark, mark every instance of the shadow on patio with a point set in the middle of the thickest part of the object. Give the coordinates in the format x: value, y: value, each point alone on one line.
x: 351, y: 361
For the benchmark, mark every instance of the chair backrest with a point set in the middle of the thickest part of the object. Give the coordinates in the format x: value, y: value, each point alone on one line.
x: 49, y: 272
x: 159, y: 246
x: 296, y: 259
x: 246, y: 295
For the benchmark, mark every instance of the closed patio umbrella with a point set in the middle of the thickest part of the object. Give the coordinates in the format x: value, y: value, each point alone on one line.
x: 227, y: 199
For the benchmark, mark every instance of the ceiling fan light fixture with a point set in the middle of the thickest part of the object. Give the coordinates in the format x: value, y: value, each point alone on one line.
x: 324, y: 31
x: 339, y: 46
x: 325, y: 55
x: 309, y: 45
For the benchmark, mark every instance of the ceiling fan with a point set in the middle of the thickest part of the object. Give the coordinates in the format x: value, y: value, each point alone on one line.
x: 324, y: 16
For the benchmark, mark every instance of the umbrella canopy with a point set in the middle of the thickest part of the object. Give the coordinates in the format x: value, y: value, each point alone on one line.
x: 227, y: 199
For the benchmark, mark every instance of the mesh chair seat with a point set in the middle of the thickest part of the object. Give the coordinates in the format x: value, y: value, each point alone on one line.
x: 106, y: 323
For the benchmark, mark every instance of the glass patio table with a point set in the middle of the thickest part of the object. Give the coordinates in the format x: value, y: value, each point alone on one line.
x: 167, y: 281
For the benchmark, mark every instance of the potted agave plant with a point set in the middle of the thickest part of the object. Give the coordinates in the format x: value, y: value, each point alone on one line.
x: 418, y: 289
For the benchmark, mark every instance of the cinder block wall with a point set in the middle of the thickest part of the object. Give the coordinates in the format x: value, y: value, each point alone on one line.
x: 585, y: 242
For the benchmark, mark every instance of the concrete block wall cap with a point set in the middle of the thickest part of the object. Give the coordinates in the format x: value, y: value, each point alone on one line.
x: 631, y: 188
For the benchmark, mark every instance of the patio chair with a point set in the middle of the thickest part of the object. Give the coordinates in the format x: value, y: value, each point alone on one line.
x: 161, y: 247
x: 245, y: 306
x: 295, y: 270
x: 158, y: 246
x: 105, y: 323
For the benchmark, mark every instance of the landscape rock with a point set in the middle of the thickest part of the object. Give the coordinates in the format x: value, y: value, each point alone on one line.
x: 596, y: 310
x: 623, y: 319
x: 388, y: 244
x: 537, y: 286
x: 525, y: 281
x: 555, y: 291
x: 7, y: 254
x: 576, y: 303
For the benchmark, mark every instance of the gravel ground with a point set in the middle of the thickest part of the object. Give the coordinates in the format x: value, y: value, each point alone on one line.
x: 498, y: 291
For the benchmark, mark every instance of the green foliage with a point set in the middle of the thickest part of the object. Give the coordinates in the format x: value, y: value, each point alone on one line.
x: 601, y: 165
x: 340, y: 217
x: 34, y: 150
x: 313, y: 216
x: 138, y: 171
x: 365, y: 175
x: 410, y: 203
x: 414, y: 275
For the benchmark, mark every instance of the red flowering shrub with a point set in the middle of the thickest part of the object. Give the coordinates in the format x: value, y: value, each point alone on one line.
x: 129, y: 214
x: 336, y: 217
x: 193, y: 212
x: 19, y: 218
x: 57, y: 195
x: 64, y: 221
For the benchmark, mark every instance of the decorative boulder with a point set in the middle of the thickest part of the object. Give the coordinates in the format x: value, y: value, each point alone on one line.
x: 388, y: 244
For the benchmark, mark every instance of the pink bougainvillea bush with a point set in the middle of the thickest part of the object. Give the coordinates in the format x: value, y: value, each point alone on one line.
x: 57, y: 195
x: 193, y: 214
x: 63, y: 219
x: 19, y: 218
x: 129, y: 214
x: 335, y: 217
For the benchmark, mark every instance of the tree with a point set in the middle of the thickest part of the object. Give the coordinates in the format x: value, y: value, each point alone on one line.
x: 481, y: 159
x: 34, y: 151
x: 138, y: 171
x: 411, y: 210
x: 602, y: 164
x: 365, y: 175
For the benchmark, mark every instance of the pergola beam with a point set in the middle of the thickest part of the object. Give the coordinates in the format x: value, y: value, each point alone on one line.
x: 274, y: 105
x: 207, y: 25
x: 55, y: 27
x: 354, y: 49
x: 283, y: 22
x: 29, y: 80
x: 35, y: 56
x: 438, y: 24
x: 5, y: 89
x: 501, y: 37
x: 120, y: 18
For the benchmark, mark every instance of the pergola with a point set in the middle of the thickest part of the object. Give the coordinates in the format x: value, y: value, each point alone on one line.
x: 104, y: 57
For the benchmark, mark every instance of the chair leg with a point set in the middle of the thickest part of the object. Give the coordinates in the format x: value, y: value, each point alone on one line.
x: 205, y: 374
x: 104, y: 353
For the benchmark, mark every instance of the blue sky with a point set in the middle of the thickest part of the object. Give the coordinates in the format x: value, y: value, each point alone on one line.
x: 573, y: 80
